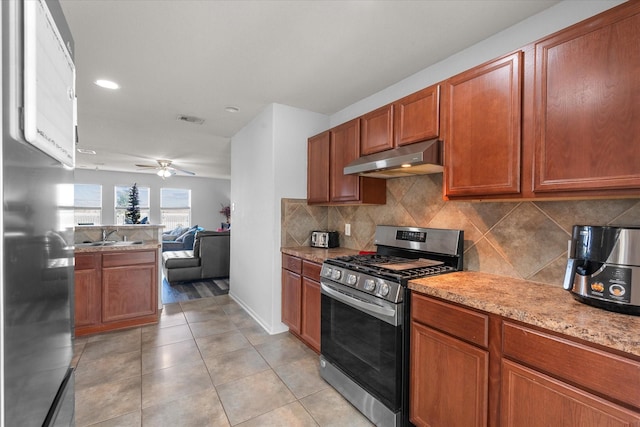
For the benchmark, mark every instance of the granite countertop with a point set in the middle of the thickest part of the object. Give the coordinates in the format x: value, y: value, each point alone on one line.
x: 114, y: 248
x: 123, y: 226
x: 317, y: 254
x: 546, y: 306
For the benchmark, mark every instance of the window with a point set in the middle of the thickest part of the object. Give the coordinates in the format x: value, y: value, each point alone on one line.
x: 87, y: 204
x: 122, y: 202
x: 175, y: 207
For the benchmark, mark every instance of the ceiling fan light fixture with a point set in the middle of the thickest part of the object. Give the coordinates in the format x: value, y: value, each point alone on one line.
x: 164, y: 173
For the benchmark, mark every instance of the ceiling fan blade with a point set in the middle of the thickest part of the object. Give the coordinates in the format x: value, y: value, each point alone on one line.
x: 182, y: 170
x: 147, y: 166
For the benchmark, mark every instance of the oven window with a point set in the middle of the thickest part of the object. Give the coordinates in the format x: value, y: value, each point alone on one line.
x: 368, y: 350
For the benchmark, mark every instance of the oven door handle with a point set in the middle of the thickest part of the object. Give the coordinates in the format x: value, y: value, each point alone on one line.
x: 363, y: 305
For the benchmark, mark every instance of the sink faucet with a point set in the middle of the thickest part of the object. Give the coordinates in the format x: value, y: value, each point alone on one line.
x: 106, y: 234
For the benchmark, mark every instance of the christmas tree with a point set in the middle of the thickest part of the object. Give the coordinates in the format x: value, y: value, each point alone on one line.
x: 132, y: 216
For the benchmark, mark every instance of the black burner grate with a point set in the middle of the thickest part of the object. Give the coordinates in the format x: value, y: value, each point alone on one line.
x: 372, y: 264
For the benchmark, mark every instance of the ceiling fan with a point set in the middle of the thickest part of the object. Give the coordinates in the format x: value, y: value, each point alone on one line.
x: 165, y: 170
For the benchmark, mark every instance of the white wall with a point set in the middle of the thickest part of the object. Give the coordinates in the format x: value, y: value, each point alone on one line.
x: 206, y: 194
x: 268, y: 162
x: 292, y: 128
x: 555, y: 18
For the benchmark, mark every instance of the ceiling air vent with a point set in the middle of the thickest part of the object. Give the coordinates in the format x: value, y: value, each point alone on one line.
x: 190, y: 119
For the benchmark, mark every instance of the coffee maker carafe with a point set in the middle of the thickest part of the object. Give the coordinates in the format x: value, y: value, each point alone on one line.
x: 603, y: 268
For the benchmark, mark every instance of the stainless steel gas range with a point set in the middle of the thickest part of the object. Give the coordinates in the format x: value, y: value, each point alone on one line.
x: 365, y: 316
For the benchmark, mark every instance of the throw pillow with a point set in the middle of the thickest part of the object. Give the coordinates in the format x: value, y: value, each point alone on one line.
x: 178, y: 231
x: 183, y: 236
x: 168, y: 238
x: 187, y: 240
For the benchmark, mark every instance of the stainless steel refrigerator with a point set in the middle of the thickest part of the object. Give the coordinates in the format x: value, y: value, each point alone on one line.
x: 36, y: 276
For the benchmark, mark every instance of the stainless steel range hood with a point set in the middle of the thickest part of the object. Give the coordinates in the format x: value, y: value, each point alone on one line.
x: 415, y: 159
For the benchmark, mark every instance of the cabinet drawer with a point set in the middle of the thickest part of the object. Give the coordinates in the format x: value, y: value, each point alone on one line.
x: 119, y: 259
x: 311, y: 270
x: 465, y: 324
x: 605, y: 373
x: 87, y: 262
x: 292, y: 263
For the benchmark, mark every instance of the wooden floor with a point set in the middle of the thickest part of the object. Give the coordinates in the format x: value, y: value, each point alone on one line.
x: 183, y: 291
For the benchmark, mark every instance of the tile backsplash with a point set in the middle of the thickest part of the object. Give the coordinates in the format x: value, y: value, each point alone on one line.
x: 526, y: 240
x: 93, y: 233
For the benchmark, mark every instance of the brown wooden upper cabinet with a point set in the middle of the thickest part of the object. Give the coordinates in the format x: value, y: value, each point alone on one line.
x: 318, y: 168
x: 559, y: 119
x: 417, y: 116
x: 482, y: 132
x: 586, y: 103
x: 414, y: 118
x: 327, y: 170
x: 345, y: 147
x: 377, y: 130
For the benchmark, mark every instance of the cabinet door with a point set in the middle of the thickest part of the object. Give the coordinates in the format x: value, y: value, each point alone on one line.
x: 587, y: 106
x: 310, y: 330
x: 532, y: 399
x: 482, y: 129
x: 87, y: 290
x: 449, y: 380
x: 376, y: 130
x: 291, y: 300
x: 318, y: 168
x: 345, y: 147
x: 417, y: 117
x: 129, y: 292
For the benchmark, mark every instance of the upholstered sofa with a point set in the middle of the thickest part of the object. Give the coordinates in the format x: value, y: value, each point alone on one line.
x: 180, y: 238
x: 208, y: 259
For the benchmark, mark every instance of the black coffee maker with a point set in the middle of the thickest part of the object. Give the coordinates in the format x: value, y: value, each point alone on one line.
x: 603, y: 268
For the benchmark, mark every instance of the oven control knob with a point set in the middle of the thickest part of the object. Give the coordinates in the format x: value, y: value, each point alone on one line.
x: 384, y: 289
x: 352, y: 279
x: 327, y: 272
x: 369, y: 285
x: 336, y: 274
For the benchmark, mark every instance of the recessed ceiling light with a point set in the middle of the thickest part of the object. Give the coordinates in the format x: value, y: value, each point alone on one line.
x: 85, y: 151
x: 107, y: 84
x: 190, y: 119
x: 231, y: 109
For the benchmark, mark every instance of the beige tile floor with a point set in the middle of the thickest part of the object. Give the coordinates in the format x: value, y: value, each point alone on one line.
x: 207, y: 363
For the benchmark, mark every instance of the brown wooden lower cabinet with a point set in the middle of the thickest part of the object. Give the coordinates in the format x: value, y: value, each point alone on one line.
x: 472, y: 368
x: 115, y: 290
x: 449, y: 375
x: 291, y: 304
x: 310, y: 328
x: 301, y: 299
x: 530, y: 398
x: 88, y: 290
x: 126, y: 292
x: 449, y: 386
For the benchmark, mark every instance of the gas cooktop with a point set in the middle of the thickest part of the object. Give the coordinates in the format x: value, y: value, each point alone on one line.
x: 393, y: 267
x: 403, y: 254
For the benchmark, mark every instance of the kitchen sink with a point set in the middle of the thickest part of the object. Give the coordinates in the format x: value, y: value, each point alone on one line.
x: 110, y: 243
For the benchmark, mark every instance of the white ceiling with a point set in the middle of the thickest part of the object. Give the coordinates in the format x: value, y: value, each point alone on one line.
x: 197, y: 57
